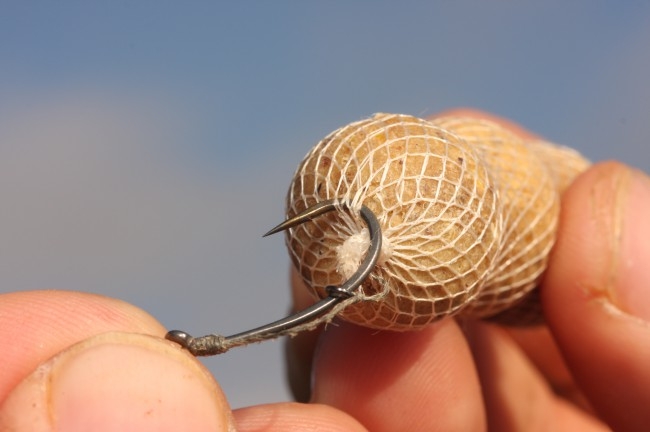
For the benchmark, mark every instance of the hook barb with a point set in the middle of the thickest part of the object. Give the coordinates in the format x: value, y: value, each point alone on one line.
x: 217, y: 344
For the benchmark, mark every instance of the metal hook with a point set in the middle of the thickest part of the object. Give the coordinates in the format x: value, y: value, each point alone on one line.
x: 217, y: 344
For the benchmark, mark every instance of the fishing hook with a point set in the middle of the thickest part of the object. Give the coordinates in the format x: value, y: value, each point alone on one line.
x: 216, y: 344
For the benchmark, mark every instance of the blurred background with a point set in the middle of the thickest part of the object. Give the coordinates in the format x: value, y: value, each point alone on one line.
x: 146, y: 146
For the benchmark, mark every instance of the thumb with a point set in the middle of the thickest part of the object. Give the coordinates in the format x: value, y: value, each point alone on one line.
x: 596, y: 293
x: 118, y: 381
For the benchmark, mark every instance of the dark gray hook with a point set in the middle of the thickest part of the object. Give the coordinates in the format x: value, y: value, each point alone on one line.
x: 217, y: 344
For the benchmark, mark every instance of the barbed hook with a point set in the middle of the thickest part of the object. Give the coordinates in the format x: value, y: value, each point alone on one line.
x: 216, y: 344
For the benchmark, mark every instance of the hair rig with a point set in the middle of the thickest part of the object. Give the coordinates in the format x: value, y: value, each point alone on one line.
x: 338, y: 297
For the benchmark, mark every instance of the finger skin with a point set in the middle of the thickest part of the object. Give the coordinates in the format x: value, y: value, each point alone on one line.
x: 596, y: 293
x: 517, y: 396
x: 77, y: 361
x: 539, y: 346
x: 295, y: 417
x: 62, y: 370
x: 412, y: 381
x: 478, y: 114
x: 35, y: 325
x: 118, y: 381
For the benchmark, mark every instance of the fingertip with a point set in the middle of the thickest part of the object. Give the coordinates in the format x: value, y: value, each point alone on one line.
x: 118, y: 381
x: 418, y: 380
x: 484, y: 115
x: 516, y: 395
x: 295, y: 417
x: 595, y: 293
x: 602, y: 250
x: 35, y: 325
x: 633, y: 273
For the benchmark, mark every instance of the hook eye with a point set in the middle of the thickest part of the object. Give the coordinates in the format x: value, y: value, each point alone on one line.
x: 306, y: 319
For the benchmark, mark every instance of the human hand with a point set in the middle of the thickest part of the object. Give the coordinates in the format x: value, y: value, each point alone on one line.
x: 441, y: 378
x: 586, y: 369
x: 61, y: 370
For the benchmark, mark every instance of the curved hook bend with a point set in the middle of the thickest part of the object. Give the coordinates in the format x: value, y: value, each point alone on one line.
x: 217, y: 344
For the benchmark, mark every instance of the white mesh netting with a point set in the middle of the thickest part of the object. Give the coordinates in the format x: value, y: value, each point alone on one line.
x: 468, y: 213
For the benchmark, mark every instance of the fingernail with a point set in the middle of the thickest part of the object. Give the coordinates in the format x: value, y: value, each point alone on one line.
x: 115, y: 382
x: 633, y: 267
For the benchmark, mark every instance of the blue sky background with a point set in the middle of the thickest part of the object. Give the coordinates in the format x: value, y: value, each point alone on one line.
x: 146, y: 146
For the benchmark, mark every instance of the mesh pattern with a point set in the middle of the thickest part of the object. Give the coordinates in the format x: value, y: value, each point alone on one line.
x: 530, y: 205
x: 468, y: 213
